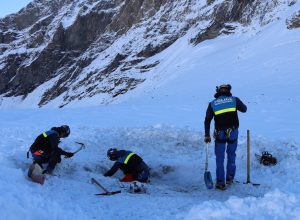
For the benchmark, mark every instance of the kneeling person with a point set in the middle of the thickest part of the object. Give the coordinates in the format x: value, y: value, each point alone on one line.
x: 45, y: 148
x: 132, y: 165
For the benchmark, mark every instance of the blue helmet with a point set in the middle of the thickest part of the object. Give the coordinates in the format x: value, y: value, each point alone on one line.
x: 112, y: 153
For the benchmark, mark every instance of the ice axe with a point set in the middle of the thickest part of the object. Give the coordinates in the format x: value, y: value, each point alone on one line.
x: 82, y: 146
x: 207, y: 175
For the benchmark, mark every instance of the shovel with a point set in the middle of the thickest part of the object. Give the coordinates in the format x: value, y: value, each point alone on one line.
x: 35, y: 172
x: 207, y: 176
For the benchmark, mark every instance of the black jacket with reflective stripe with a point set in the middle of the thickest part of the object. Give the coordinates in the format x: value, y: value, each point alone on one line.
x: 47, y: 142
x: 131, y: 167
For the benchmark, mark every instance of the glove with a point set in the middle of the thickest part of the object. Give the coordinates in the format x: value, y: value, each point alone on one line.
x: 69, y: 154
x: 207, y: 139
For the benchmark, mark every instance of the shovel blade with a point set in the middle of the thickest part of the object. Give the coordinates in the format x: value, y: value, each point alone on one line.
x: 208, y: 180
x: 35, y: 173
x: 38, y: 179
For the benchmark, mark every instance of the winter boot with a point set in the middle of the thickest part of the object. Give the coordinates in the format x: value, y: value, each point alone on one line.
x: 229, y: 181
x: 220, y: 186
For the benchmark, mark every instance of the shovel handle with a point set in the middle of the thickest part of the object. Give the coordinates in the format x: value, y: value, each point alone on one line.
x: 98, y: 184
x: 206, y: 160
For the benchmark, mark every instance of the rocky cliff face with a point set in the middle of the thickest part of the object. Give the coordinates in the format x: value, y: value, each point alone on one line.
x: 294, y: 22
x: 74, y: 49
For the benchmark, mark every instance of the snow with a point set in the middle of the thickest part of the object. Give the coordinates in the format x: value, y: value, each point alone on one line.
x: 162, y: 120
x: 275, y: 203
x: 179, y: 193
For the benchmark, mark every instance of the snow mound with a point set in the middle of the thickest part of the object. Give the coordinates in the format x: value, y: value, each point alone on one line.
x: 274, y: 205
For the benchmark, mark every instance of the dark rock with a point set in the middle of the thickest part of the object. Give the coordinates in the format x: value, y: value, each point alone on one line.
x: 13, y: 62
x: 130, y: 84
x: 42, y: 70
x: 291, y: 3
x: 210, y: 32
x: 226, y: 12
x: 294, y: 22
x: 41, y: 25
x: 151, y: 50
x: 8, y: 37
x: 85, y: 30
x: 146, y: 68
x: 209, y: 2
x: 114, y: 64
x: 132, y: 12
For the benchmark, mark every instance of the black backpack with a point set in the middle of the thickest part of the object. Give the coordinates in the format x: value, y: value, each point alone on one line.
x: 266, y: 159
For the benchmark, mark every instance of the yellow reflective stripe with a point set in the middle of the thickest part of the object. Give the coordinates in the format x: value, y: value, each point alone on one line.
x: 128, y: 157
x: 45, y: 135
x: 225, y: 110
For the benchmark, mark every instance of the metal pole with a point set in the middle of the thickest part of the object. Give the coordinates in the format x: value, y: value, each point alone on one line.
x: 248, y: 156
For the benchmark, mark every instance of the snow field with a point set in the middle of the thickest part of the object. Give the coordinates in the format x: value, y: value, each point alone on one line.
x: 177, y: 190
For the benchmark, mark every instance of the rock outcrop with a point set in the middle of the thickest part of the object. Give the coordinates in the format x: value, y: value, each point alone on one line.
x: 294, y: 22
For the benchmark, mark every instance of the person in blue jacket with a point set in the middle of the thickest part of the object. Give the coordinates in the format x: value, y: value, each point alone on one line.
x: 131, y: 164
x: 224, y: 111
x: 45, y: 148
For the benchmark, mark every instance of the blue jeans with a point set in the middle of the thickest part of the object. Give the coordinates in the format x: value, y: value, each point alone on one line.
x: 224, y: 138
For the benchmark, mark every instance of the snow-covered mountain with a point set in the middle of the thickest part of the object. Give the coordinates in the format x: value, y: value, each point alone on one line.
x: 63, y: 51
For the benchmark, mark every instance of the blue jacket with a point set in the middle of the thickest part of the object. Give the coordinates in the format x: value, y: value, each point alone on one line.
x: 224, y: 111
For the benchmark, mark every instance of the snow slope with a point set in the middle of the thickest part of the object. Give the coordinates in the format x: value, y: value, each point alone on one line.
x: 163, y: 122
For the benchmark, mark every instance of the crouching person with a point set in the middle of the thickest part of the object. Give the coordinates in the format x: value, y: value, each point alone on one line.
x: 132, y: 165
x: 45, y: 149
